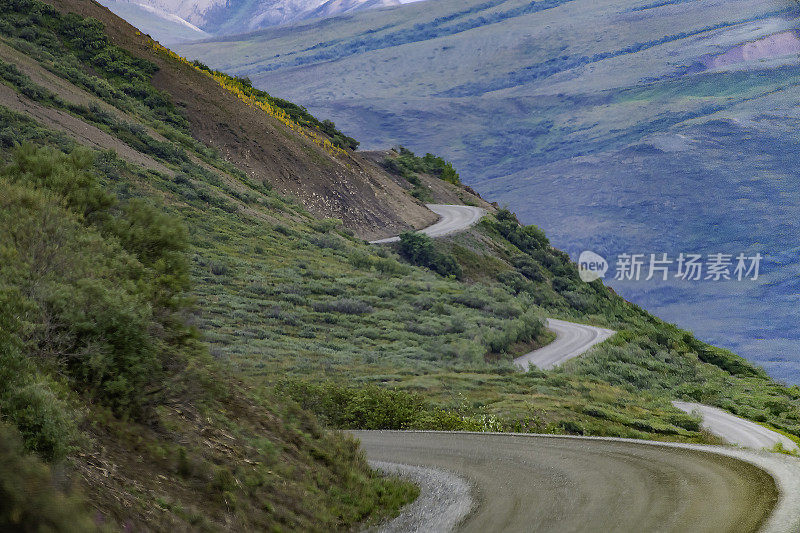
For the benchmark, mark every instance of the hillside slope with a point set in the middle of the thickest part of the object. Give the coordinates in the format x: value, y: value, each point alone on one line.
x: 108, y: 391
x: 335, y: 185
x: 169, y: 322
x: 620, y: 114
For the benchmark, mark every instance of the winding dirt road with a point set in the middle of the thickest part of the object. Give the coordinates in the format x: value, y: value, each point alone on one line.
x: 453, y: 218
x: 571, y: 341
x: 736, y: 430
x: 555, y: 483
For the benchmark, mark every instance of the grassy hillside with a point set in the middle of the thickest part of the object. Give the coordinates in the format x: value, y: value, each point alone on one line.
x: 178, y: 338
x: 106, y: 378
x: 621, y: 115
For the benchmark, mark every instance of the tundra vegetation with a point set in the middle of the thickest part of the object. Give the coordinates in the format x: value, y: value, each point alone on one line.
x: 405, y: 163
x: 178, y: 344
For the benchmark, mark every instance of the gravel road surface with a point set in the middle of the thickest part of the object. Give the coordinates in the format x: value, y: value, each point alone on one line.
x: 736, y: 430
x: 453, y: 218
x: 571, y: 341
x: 555, y: 483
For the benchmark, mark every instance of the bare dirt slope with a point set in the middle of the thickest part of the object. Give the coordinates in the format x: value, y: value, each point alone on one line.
x: 344, y: 187
x: 441, y: 191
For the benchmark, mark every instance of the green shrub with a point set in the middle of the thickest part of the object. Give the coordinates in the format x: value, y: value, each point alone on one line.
x: 101, y: 282
x: 347, y: 306
x: 159, y: 242
x: 327, y: 241
x: 372, y: 407
x: 325, y: 225
x: 523, y: 329
x: 31, y: 501
x: 526, y: 238
x: 368, y: 407
x: 407, y: 164
x: 419, y: 250
x: 218, y: 268
x: 472, y: 298
x: 41, y: 419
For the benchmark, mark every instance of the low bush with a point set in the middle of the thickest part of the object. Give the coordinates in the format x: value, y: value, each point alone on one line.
x: 31, y: 499
x: 418, y: 249
x: 406, y: 164
x: 347, y: 306
x: 99, y: 282
x: 526, y: 328
x: 373, y: 407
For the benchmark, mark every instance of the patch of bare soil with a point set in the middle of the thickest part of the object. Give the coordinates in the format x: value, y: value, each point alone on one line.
x: 77, y: 129
x: 345, y: 187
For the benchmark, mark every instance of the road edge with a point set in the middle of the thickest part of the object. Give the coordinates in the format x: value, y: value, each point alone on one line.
x: 444, y: 501
x: 697, y: 408
x: 524, y: 363
x: 432, y: 207
x: 784, y: 470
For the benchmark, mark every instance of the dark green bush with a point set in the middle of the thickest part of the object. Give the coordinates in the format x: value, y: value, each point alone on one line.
x: 347, y: 306
x: 407, y: 164
x: 40, y: 416
x: 31, y: 499
x: 418, y: 249
x: 526, y: 238
x: 367, y: 407
x: 102, y: 285
x: 523, y: 329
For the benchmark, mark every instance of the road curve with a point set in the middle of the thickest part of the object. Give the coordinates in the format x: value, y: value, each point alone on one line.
x: 453, y: 218
x: 444, y: 500
x: 555, y: 483
x: 571, y: 341
x: 736, y: 430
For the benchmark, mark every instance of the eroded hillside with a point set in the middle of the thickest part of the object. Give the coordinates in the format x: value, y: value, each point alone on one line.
x: 335, y: 184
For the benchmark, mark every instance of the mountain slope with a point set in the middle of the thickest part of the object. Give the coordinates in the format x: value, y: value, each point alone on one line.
x: 229, y: 17
x: 107, y: 388
x: 169, y: 322
x: 340, y: 186
x: 622, y: 114
x: 166, y: 28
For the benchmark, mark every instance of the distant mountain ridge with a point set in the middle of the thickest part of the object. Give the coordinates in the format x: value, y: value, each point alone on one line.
x: 228, y: 16
x: 159, y: 24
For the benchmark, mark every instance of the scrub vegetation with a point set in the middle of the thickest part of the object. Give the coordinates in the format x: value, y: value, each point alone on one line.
x: 404, y: 163
x: 297, y: 113
x: 180, y: 342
